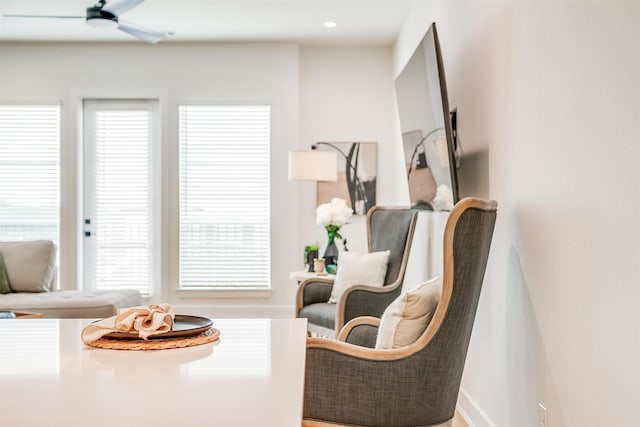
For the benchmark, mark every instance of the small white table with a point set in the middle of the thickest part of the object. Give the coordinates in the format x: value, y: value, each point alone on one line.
x: 253, y: 376
x: 299, y: 276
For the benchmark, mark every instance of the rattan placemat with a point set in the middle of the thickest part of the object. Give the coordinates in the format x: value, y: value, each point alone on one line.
x: 205, y: 337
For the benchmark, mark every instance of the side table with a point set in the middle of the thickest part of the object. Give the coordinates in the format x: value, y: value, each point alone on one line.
x: 26, y: 315
x: 302, y: 275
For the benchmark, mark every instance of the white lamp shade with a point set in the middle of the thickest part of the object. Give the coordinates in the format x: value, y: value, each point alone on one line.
x: 313, y: 165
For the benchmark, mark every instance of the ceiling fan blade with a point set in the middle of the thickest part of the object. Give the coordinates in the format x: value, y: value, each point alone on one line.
x: 9, y: 15
x: 150, y: 36
x: 118, y: 7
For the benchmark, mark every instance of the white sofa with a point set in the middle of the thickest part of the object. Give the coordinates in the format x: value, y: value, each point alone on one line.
x: 31, y: 273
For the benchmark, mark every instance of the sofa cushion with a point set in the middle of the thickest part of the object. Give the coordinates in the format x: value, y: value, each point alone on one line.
x: 71, y: 304
x: 30, y: 265
x: 4, y: 281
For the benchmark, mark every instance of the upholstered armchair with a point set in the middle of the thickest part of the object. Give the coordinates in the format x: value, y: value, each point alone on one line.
x: 387, y: 229
x: 348, y: 383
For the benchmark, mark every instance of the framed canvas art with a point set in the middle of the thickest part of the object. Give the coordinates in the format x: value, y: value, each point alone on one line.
x: 357, y: 175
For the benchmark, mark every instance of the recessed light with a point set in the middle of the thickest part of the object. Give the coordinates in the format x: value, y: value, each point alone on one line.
x: 329, y: 24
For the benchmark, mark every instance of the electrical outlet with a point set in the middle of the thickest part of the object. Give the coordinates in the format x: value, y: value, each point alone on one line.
x: 542, y: 415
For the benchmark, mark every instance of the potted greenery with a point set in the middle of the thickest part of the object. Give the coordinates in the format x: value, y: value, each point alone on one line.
x: 310, y: 253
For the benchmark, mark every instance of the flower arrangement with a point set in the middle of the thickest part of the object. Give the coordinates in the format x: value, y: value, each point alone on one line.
x: 332, y: 216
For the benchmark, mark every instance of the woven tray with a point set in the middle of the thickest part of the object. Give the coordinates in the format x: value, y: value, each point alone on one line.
x: 205, y: 337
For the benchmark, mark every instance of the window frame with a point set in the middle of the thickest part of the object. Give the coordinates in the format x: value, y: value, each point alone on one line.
x: 70, y: 251
x: 215, y: 291
x: 58, y: 163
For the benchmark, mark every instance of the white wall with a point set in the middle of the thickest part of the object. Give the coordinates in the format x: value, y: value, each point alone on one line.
x: 548, y: 97
x: 346, y: 95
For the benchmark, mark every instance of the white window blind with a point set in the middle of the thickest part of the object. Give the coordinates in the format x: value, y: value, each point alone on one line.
x: 224, y: 196
x: 118, y: 196
x: 29, y: 172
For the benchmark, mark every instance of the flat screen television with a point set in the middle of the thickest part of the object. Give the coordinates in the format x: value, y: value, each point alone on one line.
x: 426, y: 124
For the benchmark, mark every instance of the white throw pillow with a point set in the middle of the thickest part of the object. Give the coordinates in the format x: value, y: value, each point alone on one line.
x: 359, y: 269
x: 407, y: 317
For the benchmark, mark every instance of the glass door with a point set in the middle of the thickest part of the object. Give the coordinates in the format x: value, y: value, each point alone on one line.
x: 121, y: 208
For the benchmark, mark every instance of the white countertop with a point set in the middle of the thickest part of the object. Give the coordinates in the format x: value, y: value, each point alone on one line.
x: 253, y: 376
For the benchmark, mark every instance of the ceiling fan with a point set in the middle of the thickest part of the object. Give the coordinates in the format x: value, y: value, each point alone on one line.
x: 106, y: 14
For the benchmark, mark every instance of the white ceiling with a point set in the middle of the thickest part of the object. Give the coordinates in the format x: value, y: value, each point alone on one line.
x: 358, y: 21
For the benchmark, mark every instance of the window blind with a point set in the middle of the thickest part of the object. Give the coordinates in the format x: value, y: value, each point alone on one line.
x: 118, y: 200
x: 29, y: 172
x: 224, y: 196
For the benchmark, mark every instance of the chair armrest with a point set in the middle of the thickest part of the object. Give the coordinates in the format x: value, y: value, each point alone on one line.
x: 363, y: 300
x: 362, y: 331
x: 312, y: 291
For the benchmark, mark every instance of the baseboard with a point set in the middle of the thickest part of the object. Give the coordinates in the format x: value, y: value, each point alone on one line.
x: 471, y: 411
x: 236, y: 311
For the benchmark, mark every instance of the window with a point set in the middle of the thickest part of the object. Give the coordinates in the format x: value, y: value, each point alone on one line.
x: 224, y: 196
x: 29, y: 172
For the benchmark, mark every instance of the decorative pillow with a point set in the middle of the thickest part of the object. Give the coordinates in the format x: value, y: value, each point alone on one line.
x: 359, y: 269
x: 30, y: 265
x: 407, y: 317
x: 4, y: 281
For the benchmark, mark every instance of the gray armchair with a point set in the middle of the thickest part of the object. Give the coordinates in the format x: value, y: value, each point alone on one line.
x: 387, y: 229
x: 416, y: 385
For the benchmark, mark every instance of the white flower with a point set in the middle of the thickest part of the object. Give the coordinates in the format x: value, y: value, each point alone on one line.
x: 335, y: 213
x: 443, y: 201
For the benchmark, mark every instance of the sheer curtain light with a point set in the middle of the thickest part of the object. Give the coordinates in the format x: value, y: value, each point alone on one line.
x: 313, y: 165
